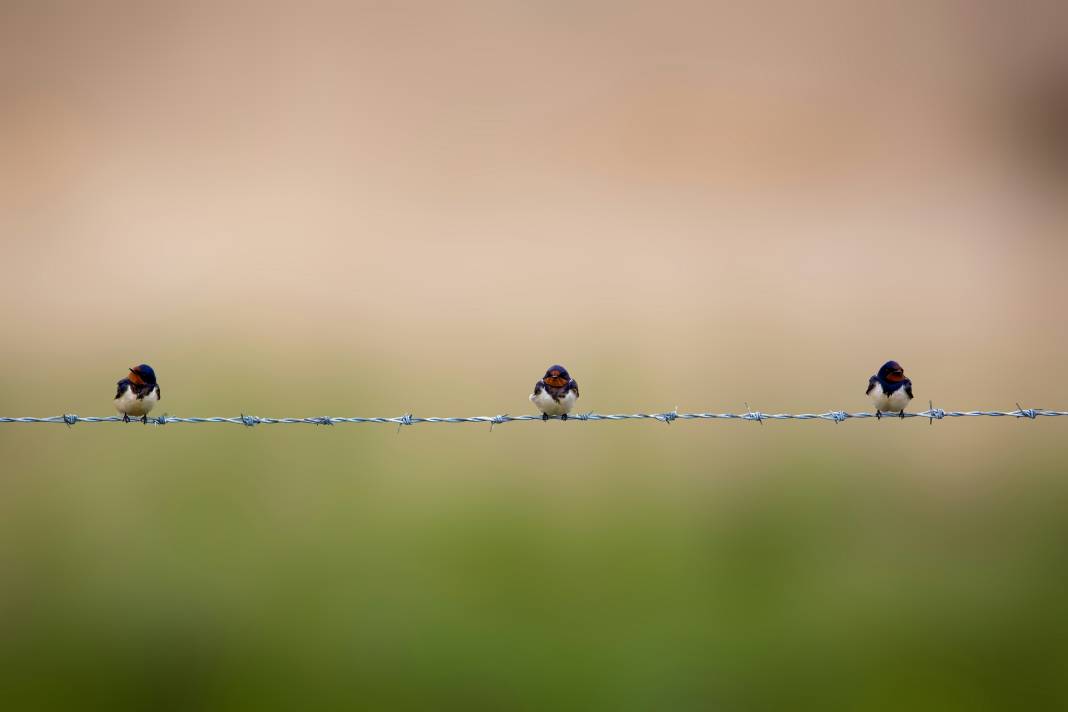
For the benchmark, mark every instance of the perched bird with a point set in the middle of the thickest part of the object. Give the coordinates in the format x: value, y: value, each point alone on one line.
x: 555, y: 393
x: 890, y: 391
x: 137, y: 393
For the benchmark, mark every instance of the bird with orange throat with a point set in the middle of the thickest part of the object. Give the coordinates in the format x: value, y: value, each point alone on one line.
x: 889, y: 390
x: 138, y: 393
x: 555, y: 394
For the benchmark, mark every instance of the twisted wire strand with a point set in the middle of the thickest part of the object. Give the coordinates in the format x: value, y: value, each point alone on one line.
x: 836, y: 416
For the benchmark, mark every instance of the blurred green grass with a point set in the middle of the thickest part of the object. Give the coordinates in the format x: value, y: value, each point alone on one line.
x: 540, y: 566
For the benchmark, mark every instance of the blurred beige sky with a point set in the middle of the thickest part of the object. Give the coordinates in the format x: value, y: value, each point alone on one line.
x: 767, y: 202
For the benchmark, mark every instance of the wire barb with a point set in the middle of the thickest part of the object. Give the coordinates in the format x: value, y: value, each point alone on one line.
x: 668, y: 417
x: 750, y: 415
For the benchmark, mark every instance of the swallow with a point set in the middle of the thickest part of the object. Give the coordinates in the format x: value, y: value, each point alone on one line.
x: 137, y: 393
x: 555, y: 393
x: 890, y: 391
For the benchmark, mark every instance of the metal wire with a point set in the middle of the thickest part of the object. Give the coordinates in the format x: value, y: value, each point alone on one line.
x: 837, y: 416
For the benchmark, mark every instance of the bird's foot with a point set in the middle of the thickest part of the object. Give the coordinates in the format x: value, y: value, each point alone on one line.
x: 144, y: 419
x: 563, y: 417
x: 878, y: 414
x: 544, y: 416
x: 126, y: 417
x: 901, y: 415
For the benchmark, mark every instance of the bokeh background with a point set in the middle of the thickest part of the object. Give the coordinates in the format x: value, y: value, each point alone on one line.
x: 377, y: 208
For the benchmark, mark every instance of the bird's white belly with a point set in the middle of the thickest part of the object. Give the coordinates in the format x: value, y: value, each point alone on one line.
x: 130, y: 404
x: 893, y: 403
x: 547, y: 405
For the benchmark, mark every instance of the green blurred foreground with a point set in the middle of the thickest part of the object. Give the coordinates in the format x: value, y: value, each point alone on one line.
x: 690, y: 567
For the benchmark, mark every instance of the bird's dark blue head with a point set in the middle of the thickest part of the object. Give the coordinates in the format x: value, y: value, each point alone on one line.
x: 892, y: 372
x: 557, y: 376
x: 143, y: 374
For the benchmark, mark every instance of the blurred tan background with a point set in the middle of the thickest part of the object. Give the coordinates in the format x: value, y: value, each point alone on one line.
x: 379, y: 208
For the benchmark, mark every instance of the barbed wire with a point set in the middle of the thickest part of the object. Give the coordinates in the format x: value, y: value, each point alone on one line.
x: 836, y: 416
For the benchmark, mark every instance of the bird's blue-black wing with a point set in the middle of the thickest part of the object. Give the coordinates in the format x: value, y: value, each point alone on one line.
x: 871, y: 384
x: 572, y: 385
x: 908, y: 388
x: 539, y: 387
x: 123, y: 385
